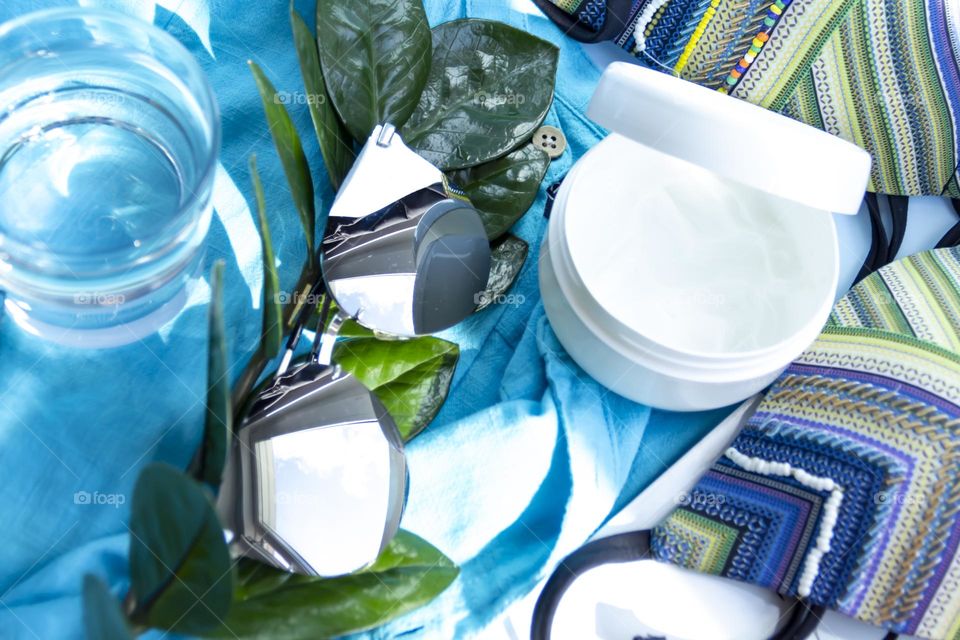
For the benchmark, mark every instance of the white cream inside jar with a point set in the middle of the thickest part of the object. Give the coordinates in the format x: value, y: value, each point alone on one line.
x: 690, y: 260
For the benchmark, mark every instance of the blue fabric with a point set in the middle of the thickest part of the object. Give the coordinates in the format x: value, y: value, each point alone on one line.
x: 527, y: 458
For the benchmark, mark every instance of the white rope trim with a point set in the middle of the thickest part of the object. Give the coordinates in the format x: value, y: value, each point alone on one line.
x: 831, y: 508
x: 640, y: 42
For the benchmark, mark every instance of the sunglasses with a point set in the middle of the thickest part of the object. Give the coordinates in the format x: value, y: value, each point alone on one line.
x: 316, y: 479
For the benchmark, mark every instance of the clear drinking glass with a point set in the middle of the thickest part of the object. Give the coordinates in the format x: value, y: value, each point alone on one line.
x: 109, y: 135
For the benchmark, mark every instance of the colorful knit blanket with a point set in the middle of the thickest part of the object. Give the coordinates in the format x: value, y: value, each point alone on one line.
x: 844, y: 487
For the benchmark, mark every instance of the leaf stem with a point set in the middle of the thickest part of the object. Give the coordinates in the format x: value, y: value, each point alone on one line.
x: 133, y: 615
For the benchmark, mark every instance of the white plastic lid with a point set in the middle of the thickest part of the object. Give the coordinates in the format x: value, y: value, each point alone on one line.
x: 731, y: 138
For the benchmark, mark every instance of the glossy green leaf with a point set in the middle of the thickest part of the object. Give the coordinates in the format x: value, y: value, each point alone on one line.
x: 335, y: 142
x: 490, y: 87
x: 506, y: 260
x: 218, y: 422
x: 271, y: 604
x: 353, y: 329
x: 375, y: 56
x: 271, y: 333
x: 102, y: 615
x: 410, y: 377
x: 180, y: 570
x: 294, y: 161
x: 502, y: 190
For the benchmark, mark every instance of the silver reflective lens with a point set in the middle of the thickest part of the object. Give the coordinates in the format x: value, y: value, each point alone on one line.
x: 317, y: 475
x: 403, y: 254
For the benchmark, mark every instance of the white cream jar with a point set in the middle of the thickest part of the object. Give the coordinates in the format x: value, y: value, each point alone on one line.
x: 691, y: 255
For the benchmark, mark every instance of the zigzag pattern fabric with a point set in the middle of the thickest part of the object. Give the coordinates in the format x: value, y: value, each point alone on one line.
x: 883, y: 74
x: 844, y: 487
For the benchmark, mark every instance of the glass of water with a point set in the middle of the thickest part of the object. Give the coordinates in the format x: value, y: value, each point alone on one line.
x: 109, y: 135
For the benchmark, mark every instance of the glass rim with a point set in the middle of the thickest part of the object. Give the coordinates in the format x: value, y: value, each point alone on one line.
x: 200, y: 188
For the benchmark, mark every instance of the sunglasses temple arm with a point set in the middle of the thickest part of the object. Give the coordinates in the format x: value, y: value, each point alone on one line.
x: 326, y: 336
x: 302, y: 319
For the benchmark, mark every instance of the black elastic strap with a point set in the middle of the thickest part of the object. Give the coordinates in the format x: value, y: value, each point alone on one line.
x: 630, y: 547
x: 877, y: 256
x: 624, y: 547
x: 899, y: 206
x: 802, y: 622
x: 891, y: 636
x: 881, y: 255
x: 952, y: 237
x: 616, y: 21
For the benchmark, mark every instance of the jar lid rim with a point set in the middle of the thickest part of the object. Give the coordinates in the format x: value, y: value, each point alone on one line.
x: 732, y: 138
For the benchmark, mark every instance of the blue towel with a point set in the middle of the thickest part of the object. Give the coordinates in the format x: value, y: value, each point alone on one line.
x: 527, y: 458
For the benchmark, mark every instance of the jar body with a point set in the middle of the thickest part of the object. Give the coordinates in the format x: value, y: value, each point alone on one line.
x: 622, y: 344
x: 638, y: 379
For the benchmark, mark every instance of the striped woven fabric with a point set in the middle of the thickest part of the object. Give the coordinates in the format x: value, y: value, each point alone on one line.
x: 883, y: 74
x: 916, y: 296
x: 888, y: 80
x: 844, y: 487
x: 588, y: 12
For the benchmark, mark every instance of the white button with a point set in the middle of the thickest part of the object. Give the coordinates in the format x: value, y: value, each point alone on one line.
x: 551, y: 140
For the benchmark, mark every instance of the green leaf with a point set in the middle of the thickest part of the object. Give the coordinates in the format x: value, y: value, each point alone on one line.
x: 294, y: 162
x: 353, y: 329
x: 218, y: 423
x: 275, y: 605
x: 271, y: 334
x: 410, y: 377
x: 180, y: 570
x: 506, y: 260
x: 490, y: 87
x: 102, y: 615
x: 335, y: 142
x: 503, y: 190
x: 375, y: 56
